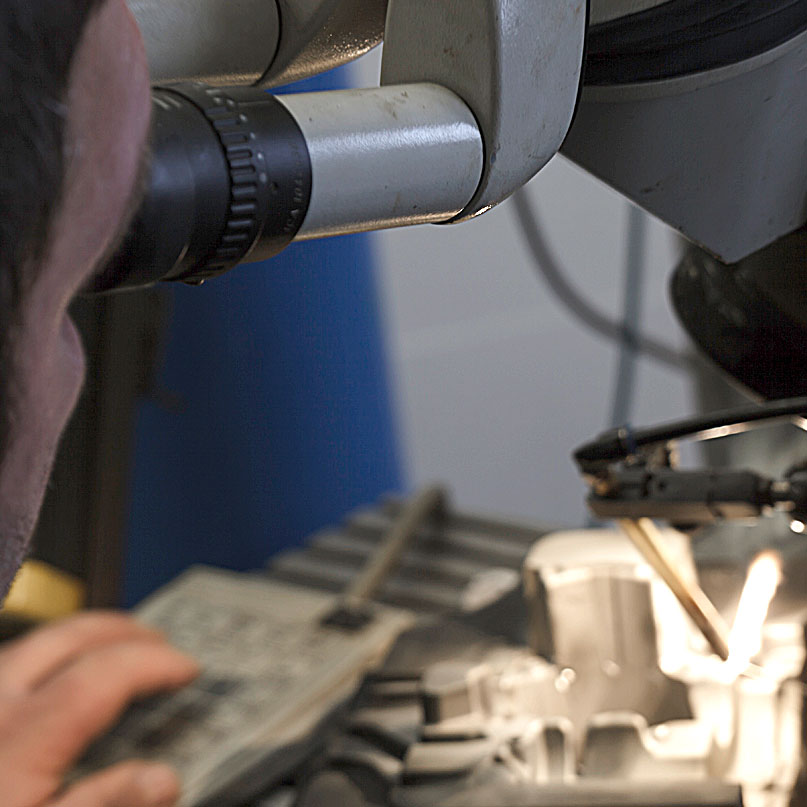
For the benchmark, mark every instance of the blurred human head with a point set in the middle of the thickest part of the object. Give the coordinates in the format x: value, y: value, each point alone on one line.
x: 74, y: 114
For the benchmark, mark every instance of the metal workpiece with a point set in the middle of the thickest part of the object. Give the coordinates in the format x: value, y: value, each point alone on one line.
x: 220, y: 42
x: 433, y: 575
x: 317, y: 35
x: 424, y: 509
x: 386, y: 157
x: 631, y: 709
x: 606, y: 622
x: 454, y: 690
x: 719, y: 155
x: 517, y: 65
x: 623, y: 743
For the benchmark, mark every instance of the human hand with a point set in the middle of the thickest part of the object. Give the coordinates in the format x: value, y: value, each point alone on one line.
x: 62, y: 686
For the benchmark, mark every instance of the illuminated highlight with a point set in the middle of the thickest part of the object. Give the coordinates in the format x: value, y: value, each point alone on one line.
x: 745, y: 638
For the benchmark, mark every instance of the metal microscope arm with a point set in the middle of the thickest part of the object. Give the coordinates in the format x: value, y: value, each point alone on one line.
x: 475, y: 97
x: 515, y: 64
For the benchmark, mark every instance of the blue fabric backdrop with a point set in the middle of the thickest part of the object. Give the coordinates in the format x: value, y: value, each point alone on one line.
x: 283, y: 420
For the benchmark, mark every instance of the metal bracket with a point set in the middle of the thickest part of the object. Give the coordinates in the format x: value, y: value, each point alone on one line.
x: 516, y: 63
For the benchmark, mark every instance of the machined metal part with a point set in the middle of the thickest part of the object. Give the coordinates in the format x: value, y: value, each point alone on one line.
x: 599, y: 793
x: 621, y: 745
x: 606, y: 623
x: 386, y: 157
x: 455, y: 691
x: 219, y: 42
x: 719, y: 155
x: 601, y: 724
x: 517, y: 65
x: 585, y: 590
x: 426, y: 506
x: 353, y: 610
x: 630, y: 712
x: 433, y: 574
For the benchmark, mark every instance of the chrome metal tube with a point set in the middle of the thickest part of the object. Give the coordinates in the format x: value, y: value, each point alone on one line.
x: 386, y: 157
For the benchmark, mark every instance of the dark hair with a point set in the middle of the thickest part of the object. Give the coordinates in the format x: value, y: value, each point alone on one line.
x: 37, y: 41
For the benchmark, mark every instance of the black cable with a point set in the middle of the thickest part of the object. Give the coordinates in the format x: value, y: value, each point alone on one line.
x: 549, y: 267
x: 625, y: 379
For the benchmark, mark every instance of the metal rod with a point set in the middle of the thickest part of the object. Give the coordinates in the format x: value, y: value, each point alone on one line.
x: 425, y: 505
x: 648, y: 540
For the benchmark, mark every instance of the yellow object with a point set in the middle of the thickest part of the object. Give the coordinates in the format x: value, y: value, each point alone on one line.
x: 41, y: 592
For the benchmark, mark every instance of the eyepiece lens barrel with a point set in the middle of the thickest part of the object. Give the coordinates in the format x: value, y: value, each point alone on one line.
x: 230, y: 177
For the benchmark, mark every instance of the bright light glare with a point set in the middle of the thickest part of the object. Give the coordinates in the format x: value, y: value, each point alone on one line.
x: 745, y: 638
x: 798, y: 526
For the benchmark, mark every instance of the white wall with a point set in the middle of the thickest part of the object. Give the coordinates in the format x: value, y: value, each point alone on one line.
x: 495, y: 384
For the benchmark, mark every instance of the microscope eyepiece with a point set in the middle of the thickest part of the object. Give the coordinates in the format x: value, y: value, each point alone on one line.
x: 230, y: 177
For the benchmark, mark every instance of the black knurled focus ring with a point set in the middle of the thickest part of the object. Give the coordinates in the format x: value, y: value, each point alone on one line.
x: 232, y: 127
x: 268, y: 200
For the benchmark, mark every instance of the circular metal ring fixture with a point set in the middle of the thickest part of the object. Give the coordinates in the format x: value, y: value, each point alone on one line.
x: 645, y: 40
